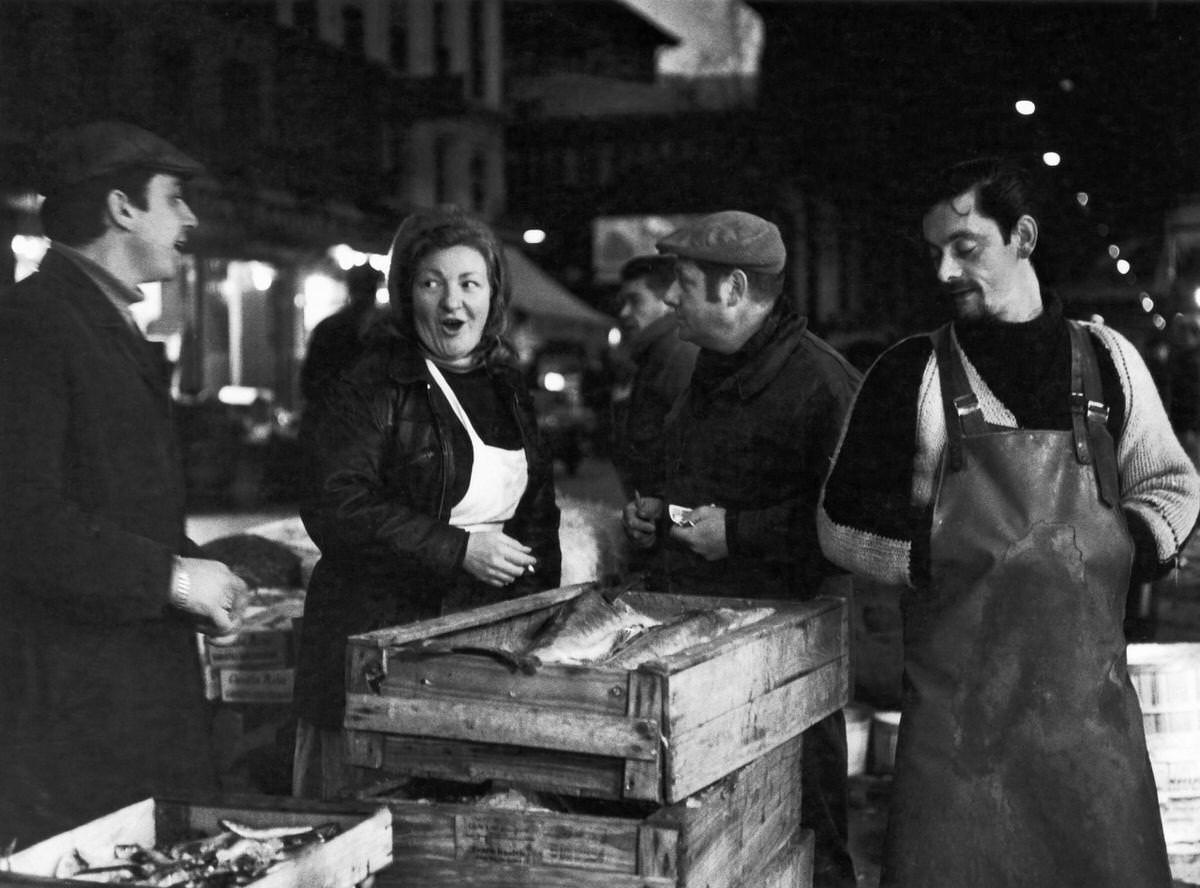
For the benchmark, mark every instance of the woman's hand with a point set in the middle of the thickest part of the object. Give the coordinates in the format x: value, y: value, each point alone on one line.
x: 496, y: 558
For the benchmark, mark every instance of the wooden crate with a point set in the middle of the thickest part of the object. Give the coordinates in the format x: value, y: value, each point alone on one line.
x: 658, y: 733
x: 743, y: 830
x: 363, y: 847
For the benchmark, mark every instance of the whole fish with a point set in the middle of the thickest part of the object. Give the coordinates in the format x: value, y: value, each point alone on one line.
x: 695, y: 628
x: 589, y: 628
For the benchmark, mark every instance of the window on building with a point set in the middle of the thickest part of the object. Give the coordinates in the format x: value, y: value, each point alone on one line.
x: 304, y: 17
x: 477, y: 49
x: 95, y: 32
x: 570, y: 167
x: 479, y: 183
x: 398, y: 50
x: 441, y: 169
x: 353, y: 31
x: 173, y: 64
x: 239, y: 98
x: 441, y: 39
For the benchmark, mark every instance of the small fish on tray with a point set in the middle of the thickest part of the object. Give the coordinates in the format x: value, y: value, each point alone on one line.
x: 236, y: 856
x: 590, y: 628
x: 697, y: 627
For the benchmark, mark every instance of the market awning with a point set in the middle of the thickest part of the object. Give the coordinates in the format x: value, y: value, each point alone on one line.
x: 540, y: 296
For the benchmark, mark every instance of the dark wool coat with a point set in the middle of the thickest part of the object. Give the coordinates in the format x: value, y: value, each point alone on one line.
x: 101, y: 701
x: 382, y: 459
x: 755, y: 433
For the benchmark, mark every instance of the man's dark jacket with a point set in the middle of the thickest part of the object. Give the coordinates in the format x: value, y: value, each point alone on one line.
x: 384, y: 448
x: 101, y: 700
x: 755, y: 433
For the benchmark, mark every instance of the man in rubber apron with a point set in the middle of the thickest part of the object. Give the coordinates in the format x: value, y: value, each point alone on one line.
x: 1009, y: 473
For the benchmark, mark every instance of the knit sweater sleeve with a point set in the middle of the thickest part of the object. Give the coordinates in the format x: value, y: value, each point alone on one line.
x: 870, y: 514
x: 1159, y: 484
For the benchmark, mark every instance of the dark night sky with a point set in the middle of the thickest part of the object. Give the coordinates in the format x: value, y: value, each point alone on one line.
x: 884, y: 91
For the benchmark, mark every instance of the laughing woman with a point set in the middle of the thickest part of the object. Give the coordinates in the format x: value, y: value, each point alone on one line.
x: 431, y: 490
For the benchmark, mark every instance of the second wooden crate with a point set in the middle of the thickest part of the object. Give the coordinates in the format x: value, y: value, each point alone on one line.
x: 744, y: 830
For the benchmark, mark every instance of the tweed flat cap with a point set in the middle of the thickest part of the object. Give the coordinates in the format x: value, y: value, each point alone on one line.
x: 732, y: 238
x: 73, y: 156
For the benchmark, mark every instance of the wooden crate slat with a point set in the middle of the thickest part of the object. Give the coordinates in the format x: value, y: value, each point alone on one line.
x: 514, y: 723
x: 701, y: 690
x: 643, y: 778
x: 743, y: 817
x: 472, y: 677
x: 658, y: 851
x: 790, y: 867
x: 454, y: 874
x: 594, y: 776
x: 536, y: 604
x: 725, y: 743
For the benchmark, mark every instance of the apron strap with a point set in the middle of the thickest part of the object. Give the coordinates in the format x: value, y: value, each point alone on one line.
x: 963, y: 414
x: 1089, y: 415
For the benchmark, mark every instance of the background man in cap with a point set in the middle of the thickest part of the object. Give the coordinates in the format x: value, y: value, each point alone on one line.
x: 662, y: 362
x: 746, y: 448
x: 101, y: 700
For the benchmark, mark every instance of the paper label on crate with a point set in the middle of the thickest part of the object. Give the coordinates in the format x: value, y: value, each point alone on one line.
x: 251, y: 650
x: 257, y: 685
x: 509, y: 838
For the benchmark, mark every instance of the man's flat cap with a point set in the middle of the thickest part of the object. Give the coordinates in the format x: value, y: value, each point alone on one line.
x: 73, y: 156
x: 731, y: 238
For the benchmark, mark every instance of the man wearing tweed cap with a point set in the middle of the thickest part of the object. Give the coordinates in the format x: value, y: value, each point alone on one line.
x: 744, y: 450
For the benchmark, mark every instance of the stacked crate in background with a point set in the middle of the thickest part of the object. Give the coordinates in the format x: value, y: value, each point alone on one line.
x: 682, y: 772
x: 1167, y: 680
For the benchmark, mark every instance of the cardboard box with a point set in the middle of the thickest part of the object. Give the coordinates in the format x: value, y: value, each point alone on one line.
x: 659, y: 732
x: 259, y: 665
x: 363, y: 847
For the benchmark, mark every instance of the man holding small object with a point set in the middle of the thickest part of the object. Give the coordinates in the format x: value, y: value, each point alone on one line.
x: 101, y: 695
x: 730, y: 496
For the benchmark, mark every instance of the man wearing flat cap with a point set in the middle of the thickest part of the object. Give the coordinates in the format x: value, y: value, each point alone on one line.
x: 101, y: 698
x: 743, y: 452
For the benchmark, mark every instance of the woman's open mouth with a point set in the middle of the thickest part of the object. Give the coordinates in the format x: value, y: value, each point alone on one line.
x: 452, y: 325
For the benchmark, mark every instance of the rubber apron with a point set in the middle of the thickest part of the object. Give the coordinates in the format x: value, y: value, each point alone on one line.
x: 1021, y: 758
x: 498, y: 476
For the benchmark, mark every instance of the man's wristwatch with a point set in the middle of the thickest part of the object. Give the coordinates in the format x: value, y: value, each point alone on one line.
x: 182, y: 587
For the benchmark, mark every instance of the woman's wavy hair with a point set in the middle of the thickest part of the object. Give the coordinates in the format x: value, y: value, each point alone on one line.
x: 429, y: 230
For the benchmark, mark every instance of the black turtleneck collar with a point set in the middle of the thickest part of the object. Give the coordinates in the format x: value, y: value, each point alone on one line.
x: 1026, y: 365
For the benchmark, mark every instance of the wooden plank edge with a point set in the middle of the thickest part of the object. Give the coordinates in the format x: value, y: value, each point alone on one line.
x: 693, y: 761
x: 491, y: 613
x: 516, y: 724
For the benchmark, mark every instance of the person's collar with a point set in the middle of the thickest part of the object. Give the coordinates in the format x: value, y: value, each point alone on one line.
x: 471, y: 362
x: 120, y: 294
x: 112, y: 286
x: 712, y: 367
